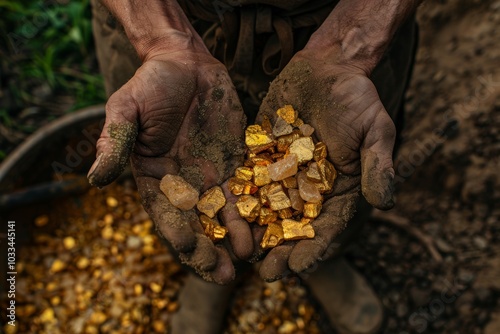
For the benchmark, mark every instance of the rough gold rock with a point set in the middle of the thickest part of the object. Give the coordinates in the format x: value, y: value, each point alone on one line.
x: 211, y: 201
x: 277, y: 198
x: 241, y: 187
x: 273, y: 236
x: 303, y: 147
x: 267, y: 216
x: 284, y: 142
x: 294, y: 230
x: 263, y: 159
x: 257, y: 139
x: 179, y: 192
x: 244, y: 173
x: 290, y: 182
x: 320, y: 151
x: 298, y: 122
x: 312, y: 209
x: 285, y: 213
x: 287, y: 113
x: 248, y: 207
x: 212, y: 228
x: 261, y: 176
x: 328, y: 175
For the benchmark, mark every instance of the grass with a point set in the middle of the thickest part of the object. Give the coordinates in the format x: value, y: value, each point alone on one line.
x: 46, y: 52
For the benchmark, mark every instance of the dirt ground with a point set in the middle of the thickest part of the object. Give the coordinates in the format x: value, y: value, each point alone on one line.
x: 436, y: 266
x: 448, y: 182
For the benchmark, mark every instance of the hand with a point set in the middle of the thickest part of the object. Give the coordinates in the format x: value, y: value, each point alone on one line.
x: 343, y: 106
x: 179, y: 114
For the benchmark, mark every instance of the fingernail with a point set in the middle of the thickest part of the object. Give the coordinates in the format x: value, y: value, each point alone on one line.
x: 94, y: 166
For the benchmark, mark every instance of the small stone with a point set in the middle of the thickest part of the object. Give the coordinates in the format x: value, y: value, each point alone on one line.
x: 284, y: 168
x: 82, y: 263
x: 287, y: 113
x: 257, y: 139
x: 480, y: 242
x: 47, y: 316
x: 297, y: 201
x: 179, y: 192
x: 312, y: 172
x: 69, y: 243
x: 281, y: 128
x: 303, y: 147
x: 306, y: 130
x: 295, y: 230
x: 261, y: 175
x: 248, y: 207
x: 211, y: 201
x: 443, y: 246
x: 307, y: 189
x: 244, y: 173
x: 277, y: 198
x: 133, y: 242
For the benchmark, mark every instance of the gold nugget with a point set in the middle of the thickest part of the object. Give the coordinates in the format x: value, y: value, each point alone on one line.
x: 288, y: 114
x: 312, y: 209
x: 257, y: 139
x: 320, y: 151
x: 267, y: 216
x: 248, y: 207
x: 241, y: 187
x: 261, y: 176
x: 211, y: 201
x: 212, y: 228
x: 244, y: 173
x: 277, y: 198
x: 328, y: 175
x: 294, y: 230
x: 273, y: 236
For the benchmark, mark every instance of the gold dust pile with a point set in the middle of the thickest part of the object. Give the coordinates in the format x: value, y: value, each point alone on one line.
x: 281, y: 184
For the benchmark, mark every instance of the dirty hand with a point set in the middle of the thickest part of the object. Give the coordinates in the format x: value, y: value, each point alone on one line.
x: 343, y: 106
x: 179, y: 114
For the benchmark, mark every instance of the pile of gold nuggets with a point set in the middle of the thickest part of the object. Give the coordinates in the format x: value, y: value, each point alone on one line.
x: 280, y: 185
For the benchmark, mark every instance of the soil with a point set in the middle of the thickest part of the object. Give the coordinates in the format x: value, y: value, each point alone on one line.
x: 447, y: 181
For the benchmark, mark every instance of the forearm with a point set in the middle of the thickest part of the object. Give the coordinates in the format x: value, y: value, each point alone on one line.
x: 358, y: 32
x: 155, y: 25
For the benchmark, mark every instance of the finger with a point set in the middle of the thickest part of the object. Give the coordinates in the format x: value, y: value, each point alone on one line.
x: 238, y: 228
x: 203, y: 257
x: 335, y: 215
x: 275, y: 264
x: 117, y: 139
x: 224, y: 272
x: 257, y: 235
x: 173, y: 224
x: 377, y: 172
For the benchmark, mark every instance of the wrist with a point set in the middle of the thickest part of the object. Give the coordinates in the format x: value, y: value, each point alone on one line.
x: 358, y: 32
x: 156, y: 27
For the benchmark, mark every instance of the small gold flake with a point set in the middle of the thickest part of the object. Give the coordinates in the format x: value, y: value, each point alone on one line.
x: 248, y: 207
x: 244, y: 173
x: 287, y: 113
x: 257, y: 139
x: 261, y: 176
x: 320, y: 151
x: 312, y: 210
x: 295, y: 230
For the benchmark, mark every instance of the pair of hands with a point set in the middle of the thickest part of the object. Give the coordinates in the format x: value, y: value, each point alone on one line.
x: 180, y: 114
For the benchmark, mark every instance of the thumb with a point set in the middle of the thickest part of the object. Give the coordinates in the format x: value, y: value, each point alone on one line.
x: 377, y: 172
x: 117, y: 139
